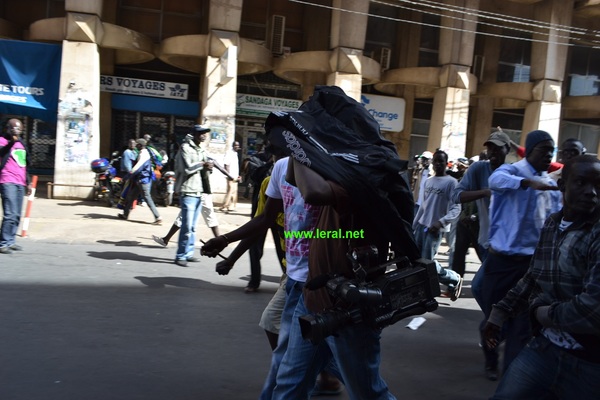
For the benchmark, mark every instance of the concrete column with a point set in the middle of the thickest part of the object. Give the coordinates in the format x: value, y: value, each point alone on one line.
x: 482, y: 117
x: 219, y: 85
x: 448, y: 129
x: 548, y: 64
x: 77, y: 128
x: 348, y: 34
x: 542, y: 115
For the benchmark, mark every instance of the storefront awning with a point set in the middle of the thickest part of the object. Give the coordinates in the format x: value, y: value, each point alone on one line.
x: 29, y: 78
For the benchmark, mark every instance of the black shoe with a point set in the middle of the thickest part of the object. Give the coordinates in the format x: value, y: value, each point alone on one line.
x: 193, y: 259
x: 5, y: 250
x: 122, y: 216
x: 181, y: 263
x: 491, y: 373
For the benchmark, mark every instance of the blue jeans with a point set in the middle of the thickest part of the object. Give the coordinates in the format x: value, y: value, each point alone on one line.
x: 357, y: 354
x: 293, y: 291
x: 12, y: 205
x: 542, y: 370
x: 429, y: 243
x: 190, y: 213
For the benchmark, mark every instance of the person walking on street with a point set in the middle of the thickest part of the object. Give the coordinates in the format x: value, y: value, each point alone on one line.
x: 129, y: 156
x: 523, y: 196
x: 14, y: 183
x: 559, y: 294
x: 434, y: 217
x: 189, y: 163
x: 232, y: 166
x: 141, y: 177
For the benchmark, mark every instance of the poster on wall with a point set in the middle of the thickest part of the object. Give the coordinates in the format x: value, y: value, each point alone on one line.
x: 75, y: 115
x: 218, y: 135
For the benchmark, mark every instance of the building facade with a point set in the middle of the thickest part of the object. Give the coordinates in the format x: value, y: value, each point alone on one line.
x: 438, y: 74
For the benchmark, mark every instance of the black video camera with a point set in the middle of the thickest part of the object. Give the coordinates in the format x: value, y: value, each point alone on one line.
x: 375, y: 298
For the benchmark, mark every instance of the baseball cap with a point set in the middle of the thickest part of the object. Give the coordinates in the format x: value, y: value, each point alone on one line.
x: 498, y: 138
x: 141, y: 141
x: 427, y: 154
x: 200, y: 129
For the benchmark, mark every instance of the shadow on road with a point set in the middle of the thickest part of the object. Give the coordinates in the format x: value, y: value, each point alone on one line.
x: 126, y: 255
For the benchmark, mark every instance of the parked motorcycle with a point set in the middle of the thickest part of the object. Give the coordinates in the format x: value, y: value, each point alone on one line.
x: 107, y: 185
x: 165, y: 188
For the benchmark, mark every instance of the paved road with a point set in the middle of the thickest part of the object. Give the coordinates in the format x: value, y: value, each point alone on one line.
x: 93, y: 309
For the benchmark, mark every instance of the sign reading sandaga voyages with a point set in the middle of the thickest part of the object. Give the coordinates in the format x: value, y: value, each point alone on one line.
x: 144, y: 87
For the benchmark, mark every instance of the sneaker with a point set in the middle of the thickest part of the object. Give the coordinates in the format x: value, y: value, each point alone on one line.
x: 5, y: 250
x: 15, y: 247
x: 193, y: 259
x: 159, y: 240
x: 181, y: 263
x: 157, y: 221
x: 455, y: 294
x: 122, y: 216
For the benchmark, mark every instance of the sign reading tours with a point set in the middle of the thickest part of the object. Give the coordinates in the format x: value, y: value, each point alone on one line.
x: 29, y: 77
x: 144, y: 87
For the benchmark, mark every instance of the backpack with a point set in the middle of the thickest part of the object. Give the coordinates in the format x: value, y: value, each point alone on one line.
x: 253, y: 164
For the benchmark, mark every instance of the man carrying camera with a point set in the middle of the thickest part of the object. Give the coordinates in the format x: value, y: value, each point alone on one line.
x: 355, y: 348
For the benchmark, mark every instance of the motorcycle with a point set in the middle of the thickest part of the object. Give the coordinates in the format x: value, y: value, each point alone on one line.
x: 165, y: 189
x: 107, y: 185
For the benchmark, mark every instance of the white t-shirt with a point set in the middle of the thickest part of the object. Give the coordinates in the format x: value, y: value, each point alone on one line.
x: 298, y: 216
x: 231, y: 159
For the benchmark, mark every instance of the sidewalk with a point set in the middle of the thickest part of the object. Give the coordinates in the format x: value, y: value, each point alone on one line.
x: 86, y: 221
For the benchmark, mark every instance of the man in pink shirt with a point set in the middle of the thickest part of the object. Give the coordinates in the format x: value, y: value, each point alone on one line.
x: 13, y: 183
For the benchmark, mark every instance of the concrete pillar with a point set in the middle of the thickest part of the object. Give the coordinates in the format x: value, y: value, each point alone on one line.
x: 219, y: 85
x: 77, y: 128
x: 483, y: 113
x: 448, y: 129
x: 348, y: 34
x: 548, y: 64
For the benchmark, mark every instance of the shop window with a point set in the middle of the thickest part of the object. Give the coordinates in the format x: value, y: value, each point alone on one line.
x: 584, y: 71
x: 515, y: 58
x: 587, y: 133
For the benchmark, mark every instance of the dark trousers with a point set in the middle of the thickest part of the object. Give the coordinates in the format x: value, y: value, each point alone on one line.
x: 256, y: 253
x: 500, y: 274
x: 466, y: 236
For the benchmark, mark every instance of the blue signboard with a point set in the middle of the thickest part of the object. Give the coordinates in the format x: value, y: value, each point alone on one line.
x: 29, y: 78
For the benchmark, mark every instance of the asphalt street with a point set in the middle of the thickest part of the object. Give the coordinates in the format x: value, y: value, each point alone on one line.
x: 93, y: 309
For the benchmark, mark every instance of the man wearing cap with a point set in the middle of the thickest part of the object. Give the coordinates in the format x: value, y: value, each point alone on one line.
x: 13, y: 183
x: 523, y: 196
x: 189, y: 163
x: 474, y: 186
x: 141, y: 177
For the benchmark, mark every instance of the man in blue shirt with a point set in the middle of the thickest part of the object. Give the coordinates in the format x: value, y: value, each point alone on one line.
x: 523, y: 196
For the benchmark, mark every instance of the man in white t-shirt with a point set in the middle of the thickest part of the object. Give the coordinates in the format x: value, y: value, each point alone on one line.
x: 298, y: 217
x: 232, y: 165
